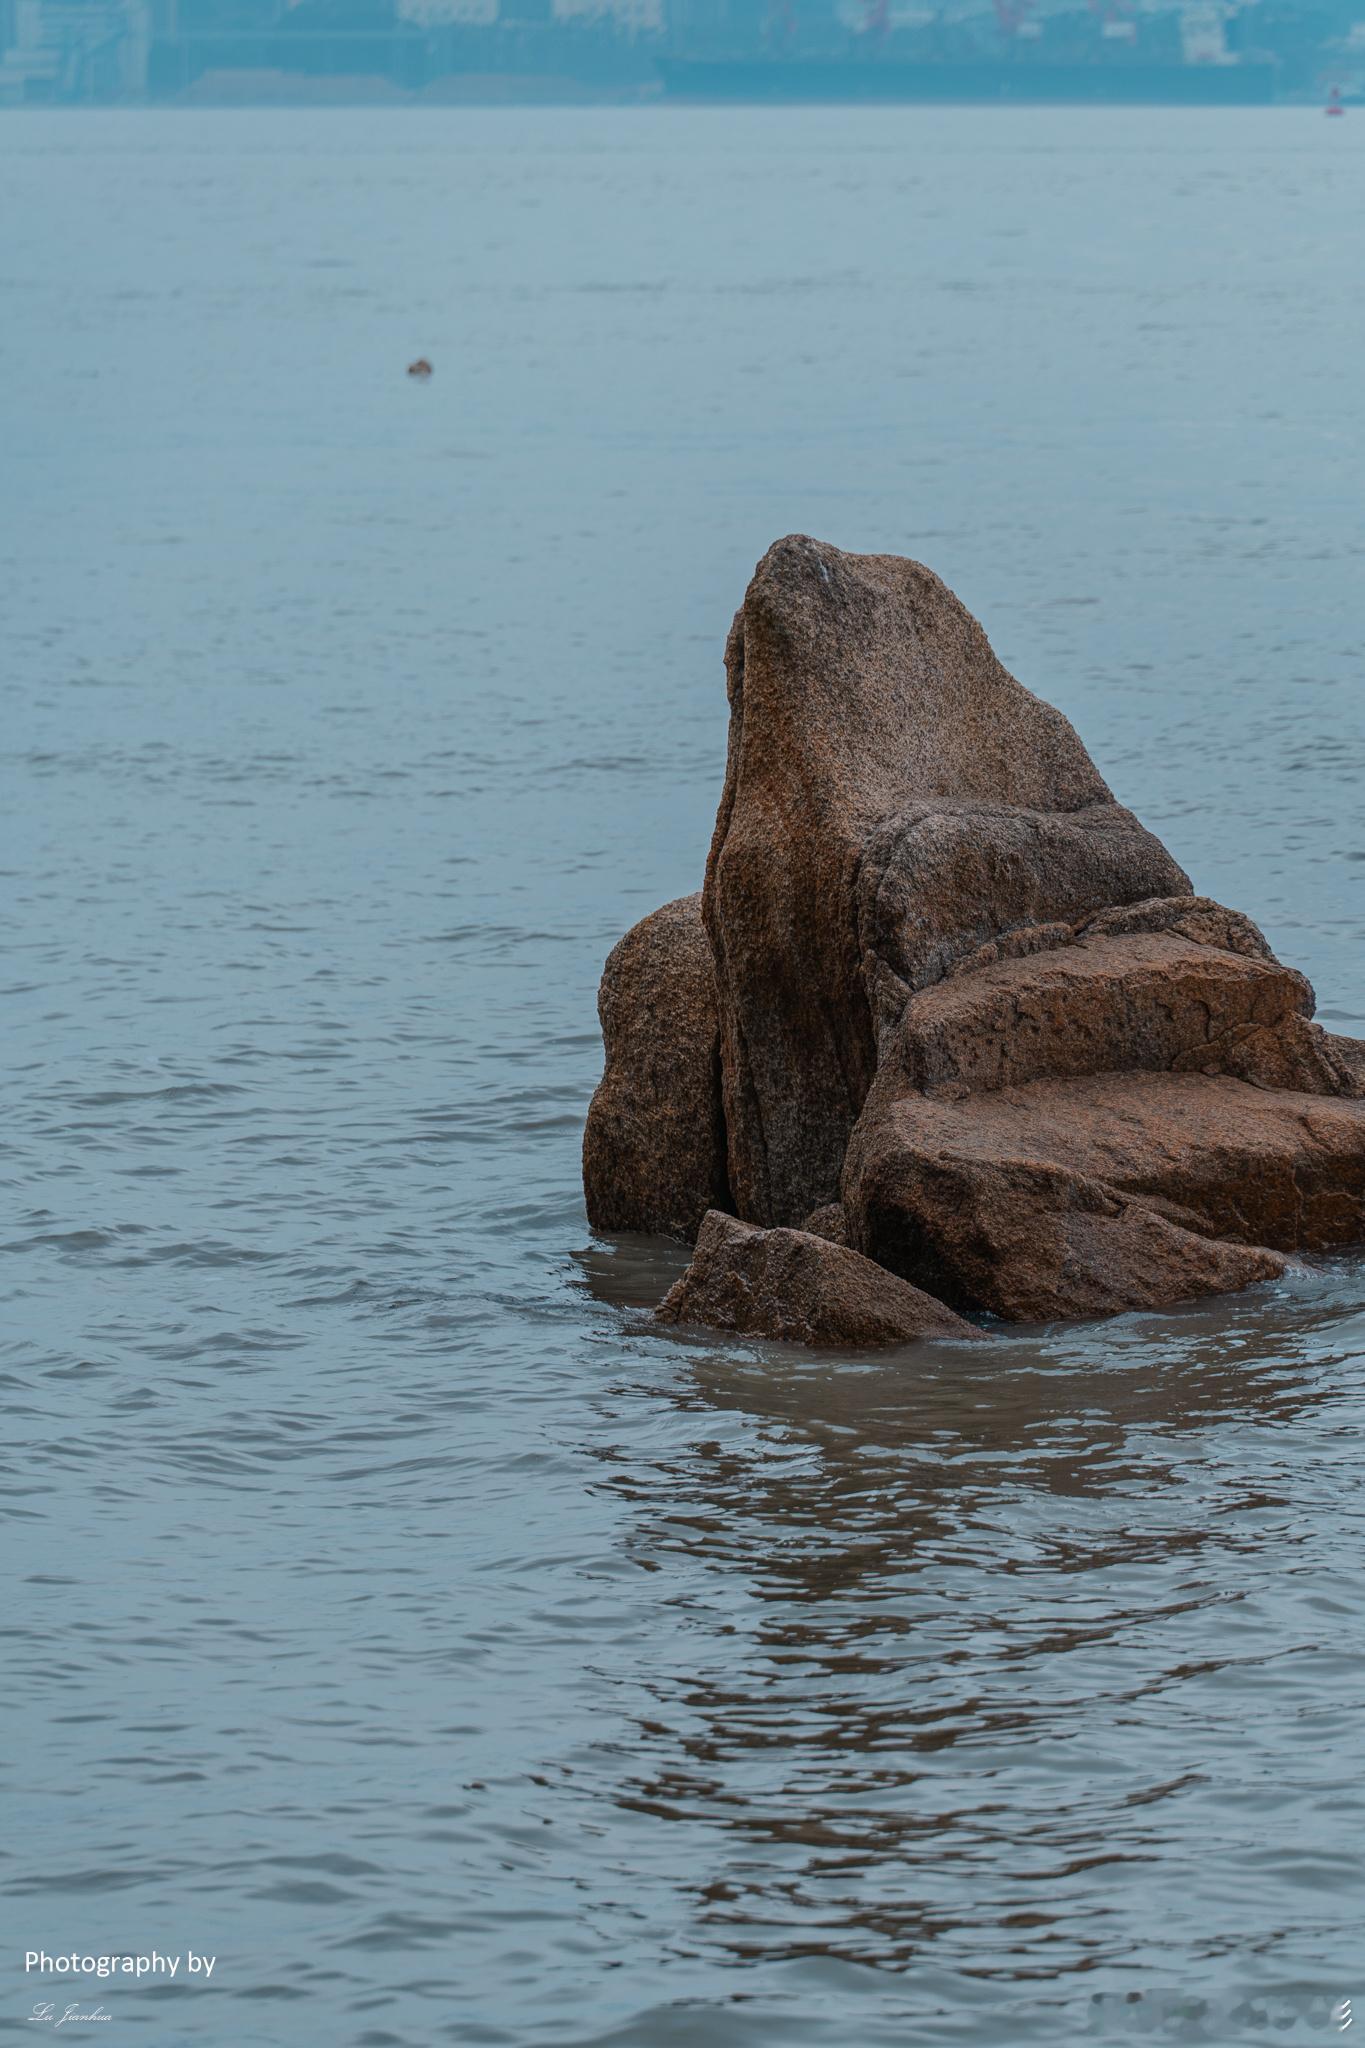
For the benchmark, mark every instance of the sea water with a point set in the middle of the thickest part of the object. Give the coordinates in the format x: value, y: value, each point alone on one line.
x: 391, y: 1611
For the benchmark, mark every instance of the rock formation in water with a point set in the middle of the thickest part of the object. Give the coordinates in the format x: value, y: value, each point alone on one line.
x: 944, y: 1001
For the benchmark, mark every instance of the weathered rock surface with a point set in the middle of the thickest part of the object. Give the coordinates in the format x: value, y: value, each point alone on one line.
x: 654, y: 1148
x: 1044, y: 1200
x: 964, y: 1010
x: 1191, y: 917
x: 1151, y: 1001
x: 791, y: 1285
x: 861, y: 691
x: 940, y: 885
x: 829, y: 1221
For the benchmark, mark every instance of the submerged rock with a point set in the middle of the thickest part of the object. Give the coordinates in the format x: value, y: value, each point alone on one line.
x: 953, y: 1003
x: 800, y: 1288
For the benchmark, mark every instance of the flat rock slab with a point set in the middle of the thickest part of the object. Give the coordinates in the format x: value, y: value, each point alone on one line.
x: 1091, y: 1195
x: 801, y: 1289
x: 1148, y: 1001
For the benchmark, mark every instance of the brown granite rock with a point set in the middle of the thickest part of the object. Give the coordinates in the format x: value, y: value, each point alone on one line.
x: 1114, y: 1121
x: 958, y: 1007
x: 791, y: 1285
x: 654, y: 1148
x: 1151, y: 1002
x: 866, y: 705
x: 1348, y: 1059
x: 830, y: 1222
x: 1197, y: 918
x: 947, y: 885
x: 1045, y: 1200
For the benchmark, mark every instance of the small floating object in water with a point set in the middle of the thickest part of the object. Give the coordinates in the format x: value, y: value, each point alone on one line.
x: 421, y: 368
x: 1334, y: 105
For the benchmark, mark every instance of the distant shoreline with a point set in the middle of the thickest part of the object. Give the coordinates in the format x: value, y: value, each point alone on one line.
x: 265, y: 88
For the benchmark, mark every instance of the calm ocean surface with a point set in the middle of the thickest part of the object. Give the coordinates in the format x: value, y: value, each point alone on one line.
x: 389, y: 1609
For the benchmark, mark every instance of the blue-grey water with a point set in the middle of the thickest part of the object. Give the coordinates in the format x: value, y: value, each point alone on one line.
x: 390, y: 1610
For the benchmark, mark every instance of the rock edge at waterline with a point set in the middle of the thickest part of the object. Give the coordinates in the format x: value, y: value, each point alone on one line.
x: 802, y: 1289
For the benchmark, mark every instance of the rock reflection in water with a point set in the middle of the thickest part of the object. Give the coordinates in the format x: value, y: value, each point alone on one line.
x: 974, y: 1616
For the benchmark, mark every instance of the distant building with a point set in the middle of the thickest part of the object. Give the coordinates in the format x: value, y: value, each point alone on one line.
x: 73, y: 50
x: 630, y: 15
x: 1191, y: 51
x: 1203, y: 36
x: 444, y: 13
